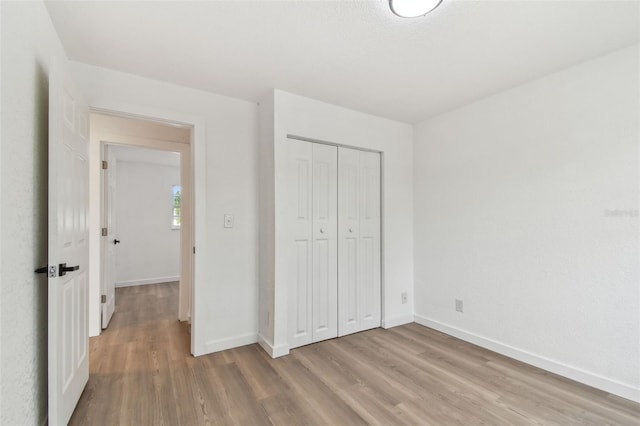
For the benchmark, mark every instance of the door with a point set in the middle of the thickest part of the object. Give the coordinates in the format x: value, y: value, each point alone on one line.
x: 325, y: 242
x: 359, y: 304
x: 369, y: 241
x: 109, y: 240
x: 298, y: 209
x: 312, y: 211
x: 68, y: 251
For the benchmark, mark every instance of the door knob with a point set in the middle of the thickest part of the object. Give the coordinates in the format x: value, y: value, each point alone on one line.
x: 350, y: 230
x: 116, y: 241
x: 63, y: 269
x: 321, y: 231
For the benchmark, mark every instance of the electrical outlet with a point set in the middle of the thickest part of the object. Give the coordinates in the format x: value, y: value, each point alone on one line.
x: 404, y: 297
x: 228, y: 221
x: 459, y: 305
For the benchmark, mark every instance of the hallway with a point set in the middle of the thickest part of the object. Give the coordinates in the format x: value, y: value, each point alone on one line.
x: 130, y: 364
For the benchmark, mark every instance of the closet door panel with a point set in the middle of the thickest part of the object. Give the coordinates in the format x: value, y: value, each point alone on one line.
x: 348, y: 231
x: 325, y: 222
x: 369, y: 241
x: 359, y: 289
x: 299, y: 212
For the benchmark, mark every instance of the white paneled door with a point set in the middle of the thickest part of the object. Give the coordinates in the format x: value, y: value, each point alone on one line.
x: 325, y: 242
x: 298, y: 208
x: 359, y: 306
x: 109, y: 239
x: 333, y: 233
x: 68, y: 256
x: 311, y: 191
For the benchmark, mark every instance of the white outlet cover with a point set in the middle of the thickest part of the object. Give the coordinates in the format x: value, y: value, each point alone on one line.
x: 228, y: 221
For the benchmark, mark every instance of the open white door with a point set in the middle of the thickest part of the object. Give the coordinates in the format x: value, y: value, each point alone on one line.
x: 109, y: 240
x: 68, y: 258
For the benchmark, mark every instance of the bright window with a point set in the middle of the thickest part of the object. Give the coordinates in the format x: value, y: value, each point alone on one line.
x: 176, y: 201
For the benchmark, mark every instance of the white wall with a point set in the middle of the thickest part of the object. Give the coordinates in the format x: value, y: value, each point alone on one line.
x: 225, y: 178
x: 515, y: 201
x: 149, y: 249
x: 309, y: 118
x: 28, y: 43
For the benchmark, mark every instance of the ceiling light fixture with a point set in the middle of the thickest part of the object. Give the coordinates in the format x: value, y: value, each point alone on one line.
x: 413, y: 8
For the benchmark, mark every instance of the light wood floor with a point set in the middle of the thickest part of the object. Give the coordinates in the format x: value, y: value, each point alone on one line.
x: 142, y: 374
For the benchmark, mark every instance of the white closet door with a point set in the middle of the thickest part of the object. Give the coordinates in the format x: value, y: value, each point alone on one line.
x: 348, y: 232
x: 325, y: 242
x: 359, y: 241
x: 298, y: 209
x: 369, y: 241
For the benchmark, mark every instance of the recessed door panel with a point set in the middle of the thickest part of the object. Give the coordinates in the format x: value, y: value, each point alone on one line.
x: 302, y: 285
x: 82, y: 344
x: 350, y: 282
x: 304, y: 196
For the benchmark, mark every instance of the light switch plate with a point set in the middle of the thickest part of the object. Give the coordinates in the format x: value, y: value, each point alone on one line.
x: 228, y: 221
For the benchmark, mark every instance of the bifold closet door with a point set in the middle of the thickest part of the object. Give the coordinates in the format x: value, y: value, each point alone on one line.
x: 310, y: 189
x: 359, y: 306
x: 325, y: 242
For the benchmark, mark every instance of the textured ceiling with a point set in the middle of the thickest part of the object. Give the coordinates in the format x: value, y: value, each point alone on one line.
x: 351, y: 53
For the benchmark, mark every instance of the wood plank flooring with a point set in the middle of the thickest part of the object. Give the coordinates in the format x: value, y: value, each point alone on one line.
x: 142, y: 374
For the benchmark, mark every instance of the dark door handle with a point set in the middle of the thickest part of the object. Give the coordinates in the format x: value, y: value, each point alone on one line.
x: 63, y: 269
x: 116, y: 241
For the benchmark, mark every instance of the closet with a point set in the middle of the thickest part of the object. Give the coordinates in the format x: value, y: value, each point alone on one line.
x: 330, y: 229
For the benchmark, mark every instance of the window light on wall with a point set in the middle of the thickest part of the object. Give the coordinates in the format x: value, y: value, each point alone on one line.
x: 413, y: 8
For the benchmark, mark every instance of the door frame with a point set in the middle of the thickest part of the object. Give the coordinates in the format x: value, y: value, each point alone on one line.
x: 186, y: 234
x: 195, y: 152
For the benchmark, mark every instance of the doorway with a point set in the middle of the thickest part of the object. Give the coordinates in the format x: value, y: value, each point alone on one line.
x: 132, y: 148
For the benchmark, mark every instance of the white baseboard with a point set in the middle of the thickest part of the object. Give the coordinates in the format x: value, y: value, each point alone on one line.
x: 612, y: 386
x: 145, y: 281
x: 273, y: 351
x: 229, y: 343
x: 396, y: 321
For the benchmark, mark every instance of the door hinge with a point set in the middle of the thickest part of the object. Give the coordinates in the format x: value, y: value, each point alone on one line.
x: 105, y: 165
x: 103, y: 298
x: 104, y: 232
x: 194, y: 250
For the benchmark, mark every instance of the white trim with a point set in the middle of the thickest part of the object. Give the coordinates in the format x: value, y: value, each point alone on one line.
x: 157, y: 280
x: 397, y: 320
x: 273, y: 351
x: 608, y: 385
x: 228, y: 343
